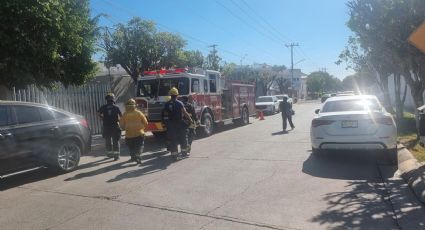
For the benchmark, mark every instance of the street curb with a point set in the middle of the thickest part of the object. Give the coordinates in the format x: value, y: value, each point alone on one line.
x: 412, y: 172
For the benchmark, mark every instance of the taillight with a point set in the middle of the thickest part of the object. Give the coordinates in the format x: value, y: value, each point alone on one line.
x: 384, y: 121
x: 318, y: 122
x: 84, y: 123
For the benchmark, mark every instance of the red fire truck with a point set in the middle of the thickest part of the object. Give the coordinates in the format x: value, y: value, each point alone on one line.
x: 216, y: 100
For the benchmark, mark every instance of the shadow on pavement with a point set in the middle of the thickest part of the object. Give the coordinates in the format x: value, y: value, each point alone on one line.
x: 147, y: 167
x: 279, y: 133
x: 119, y: 165
x: 361, y: 207
x: 25, y: 178
x: 364, y: 203
x: 343, y: 165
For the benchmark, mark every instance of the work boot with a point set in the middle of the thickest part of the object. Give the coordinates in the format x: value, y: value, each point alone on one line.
x: 109, y: 154
x: 116, y: 156
x: 132, y: 159
x: 175, y: 155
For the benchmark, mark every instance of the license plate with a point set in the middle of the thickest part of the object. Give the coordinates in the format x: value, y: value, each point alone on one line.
x: 349, y: 124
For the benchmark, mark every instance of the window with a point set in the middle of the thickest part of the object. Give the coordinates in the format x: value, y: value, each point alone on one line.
x: 59, y: 115
x: 195, y: 86
x: 27, y: 114
x: 351, y: 105
x: 46, y: 114
x: 265, y: 99
x: 160, y: 87
x: 3, y: 116
x: 213, y: 83
x: 205, y: 86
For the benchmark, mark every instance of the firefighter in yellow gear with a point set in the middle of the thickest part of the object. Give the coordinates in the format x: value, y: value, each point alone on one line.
x: 134, y: 123
x: 173, y: 114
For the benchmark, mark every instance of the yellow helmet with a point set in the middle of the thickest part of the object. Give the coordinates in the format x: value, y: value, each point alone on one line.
x: 173, y: 92
x: 167, y: 98
x: 131, y: 102
x: 110, y: 96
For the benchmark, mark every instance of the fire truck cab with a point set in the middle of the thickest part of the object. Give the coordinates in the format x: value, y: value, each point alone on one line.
x: 216, y: 100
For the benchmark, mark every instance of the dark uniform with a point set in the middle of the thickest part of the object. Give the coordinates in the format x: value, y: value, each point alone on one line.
x: 176, y: 128
x: 111, y: 129
x: 191, y: 126
x: 286, y: 109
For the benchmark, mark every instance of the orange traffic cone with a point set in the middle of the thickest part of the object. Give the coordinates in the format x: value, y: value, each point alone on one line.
x: 261, y: 116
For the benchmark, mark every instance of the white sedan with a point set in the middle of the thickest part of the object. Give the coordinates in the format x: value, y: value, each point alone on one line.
x: 267, y: 104
x: 353, y: 123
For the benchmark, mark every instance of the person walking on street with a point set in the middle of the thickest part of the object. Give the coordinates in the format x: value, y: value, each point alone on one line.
x: 173, y: 113
x: 134, y: 123
x: 191, y: 126
x: 287, y: 113
x: 110, y: 114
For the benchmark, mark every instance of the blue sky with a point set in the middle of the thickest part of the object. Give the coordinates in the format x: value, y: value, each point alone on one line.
x: 255, y: 29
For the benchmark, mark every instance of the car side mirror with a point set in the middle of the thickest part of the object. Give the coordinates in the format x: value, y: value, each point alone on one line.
x: 317, y: 111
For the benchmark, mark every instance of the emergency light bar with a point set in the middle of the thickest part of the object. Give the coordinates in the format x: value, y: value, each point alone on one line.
x: 165, y: 71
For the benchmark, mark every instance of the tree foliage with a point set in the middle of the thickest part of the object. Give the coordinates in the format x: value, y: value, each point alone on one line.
x: 381, y: 30
x: 138, y: 46
x: 320, y: 82
x: 46, y: 41
x: 213, y: 60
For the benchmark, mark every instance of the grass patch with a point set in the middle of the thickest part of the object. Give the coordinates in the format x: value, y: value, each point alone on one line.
x: 407, y: 136
x: 412, y: 144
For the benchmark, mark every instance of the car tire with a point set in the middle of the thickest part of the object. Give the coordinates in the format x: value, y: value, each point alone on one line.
x: 66, y: 156
x: 208, y: 125
x: 390, y: 156
x: 316, y: 152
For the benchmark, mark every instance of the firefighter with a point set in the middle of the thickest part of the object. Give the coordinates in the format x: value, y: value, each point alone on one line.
x: 176, y: 128
x: 110, y: 114
x: 134, y: 123
x: 191, y: 126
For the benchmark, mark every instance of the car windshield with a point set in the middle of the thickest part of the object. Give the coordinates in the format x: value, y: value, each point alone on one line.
x: 265, y: 99
x: 280, y: 97
x: 351, y: 105
x: 161, y: 86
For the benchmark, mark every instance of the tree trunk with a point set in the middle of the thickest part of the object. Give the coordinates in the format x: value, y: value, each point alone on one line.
x: 398, y: 104
x: 384, y: 87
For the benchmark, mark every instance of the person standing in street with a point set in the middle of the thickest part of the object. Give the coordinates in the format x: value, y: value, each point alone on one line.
x: 174, y: 111
x: 110, y: 114
x: 191, y: 126
x: 134, y: 123
x: 287, y: 113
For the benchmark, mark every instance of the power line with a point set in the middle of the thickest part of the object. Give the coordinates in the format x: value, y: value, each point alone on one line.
x: 246, y: 23
x: 264, y: 20
x: 169, y: 29
x: 230, y: 32
x: 255, y: 20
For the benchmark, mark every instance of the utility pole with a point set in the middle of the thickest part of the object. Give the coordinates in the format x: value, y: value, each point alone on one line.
x: 292, y: 65
x: 214, y: 56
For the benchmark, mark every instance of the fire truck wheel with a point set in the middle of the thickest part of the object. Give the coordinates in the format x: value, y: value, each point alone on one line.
x: 208, y: 125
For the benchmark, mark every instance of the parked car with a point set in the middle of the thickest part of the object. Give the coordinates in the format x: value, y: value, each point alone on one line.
x: 280, y: 98
x: 326, y: 96
x: 354, y: 122
x: 33, y: 134
x: 267, y: 104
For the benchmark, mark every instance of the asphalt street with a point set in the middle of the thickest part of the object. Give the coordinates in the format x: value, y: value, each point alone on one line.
x: 251, y: 177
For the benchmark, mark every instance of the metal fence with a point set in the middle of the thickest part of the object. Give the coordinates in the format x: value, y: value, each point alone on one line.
x: 83, y: 100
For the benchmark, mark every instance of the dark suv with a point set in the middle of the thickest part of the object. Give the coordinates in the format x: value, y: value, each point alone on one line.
x: 33, y: 134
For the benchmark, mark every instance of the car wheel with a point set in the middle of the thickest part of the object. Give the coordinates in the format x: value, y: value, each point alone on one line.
x: 208, y: 125
x: 316, y: 152
x: 66, y: 156
x: 390, y: 156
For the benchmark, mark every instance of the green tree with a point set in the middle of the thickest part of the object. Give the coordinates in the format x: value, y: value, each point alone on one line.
x: 138, y: 46
x: 46, y: 41
x: 381, y: 29
x: 213, y: 60
x: 191, y: 59
x: 319, y: 82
